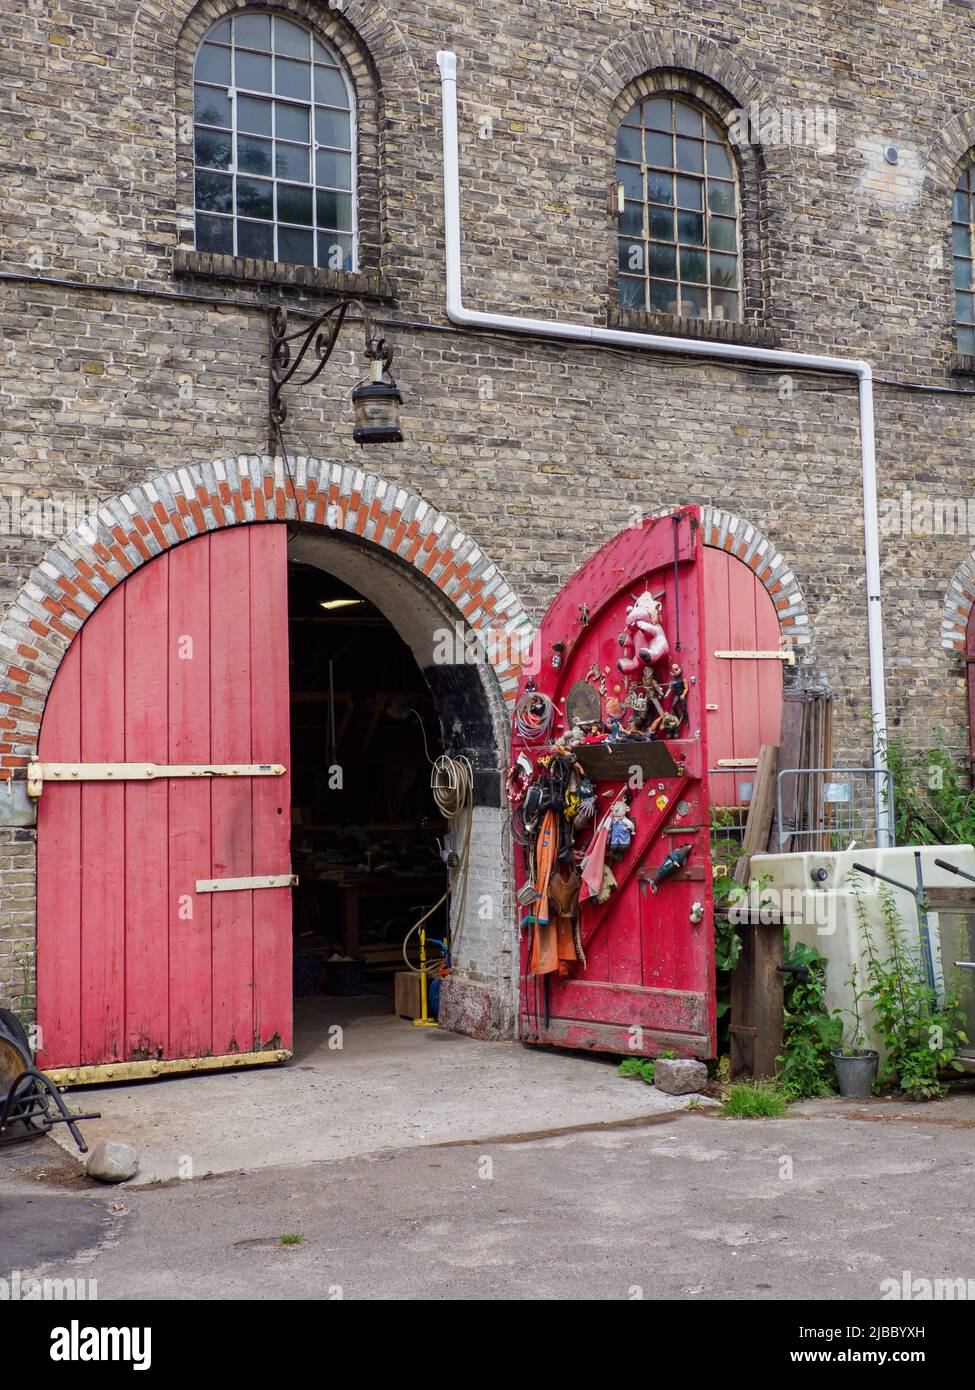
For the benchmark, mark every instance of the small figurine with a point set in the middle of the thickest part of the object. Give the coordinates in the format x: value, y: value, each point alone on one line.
x: 643, y: 638
x: 675, y: 860
x: 677, y: 688
x: 621, y: 826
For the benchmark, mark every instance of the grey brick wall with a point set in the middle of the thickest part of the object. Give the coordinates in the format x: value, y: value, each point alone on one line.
x: 539, y: 451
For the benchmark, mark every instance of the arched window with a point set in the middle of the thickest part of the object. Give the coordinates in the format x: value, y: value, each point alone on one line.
x: 962, y: 235
x: 679, y: 236
x: 274, y: 144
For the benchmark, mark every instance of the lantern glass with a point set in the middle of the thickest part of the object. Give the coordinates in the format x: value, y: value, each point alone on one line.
x: 377, y: 413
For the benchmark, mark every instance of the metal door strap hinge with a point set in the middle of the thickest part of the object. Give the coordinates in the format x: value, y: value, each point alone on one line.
x: 787, y: 655
x: 38, y: 773
x: 230, y: 885
x: 737, y: 762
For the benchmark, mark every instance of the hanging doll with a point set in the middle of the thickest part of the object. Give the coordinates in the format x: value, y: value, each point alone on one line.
x: 621, y: 827
x: 677, y: 689
x: 643, y: 638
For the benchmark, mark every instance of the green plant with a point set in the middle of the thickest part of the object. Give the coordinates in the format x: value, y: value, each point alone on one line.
x: 292, y: 1240
x: 933, y: 803
x: 810, y: 1032
x: 857, y: 1037
x: 24, y: 961
x: 694, y: 1103
x: 920, y: 1035
x: 750, y: 1100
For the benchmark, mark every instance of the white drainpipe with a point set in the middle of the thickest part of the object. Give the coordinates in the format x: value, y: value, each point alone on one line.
x: 693, y: 347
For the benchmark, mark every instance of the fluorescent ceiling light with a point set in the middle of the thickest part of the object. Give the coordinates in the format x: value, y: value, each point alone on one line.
x: 331, y: 603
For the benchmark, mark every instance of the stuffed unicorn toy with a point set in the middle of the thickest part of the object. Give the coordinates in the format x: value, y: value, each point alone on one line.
x: 643, y: 640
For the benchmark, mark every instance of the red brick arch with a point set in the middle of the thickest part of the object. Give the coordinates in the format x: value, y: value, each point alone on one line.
x: 80, y: 570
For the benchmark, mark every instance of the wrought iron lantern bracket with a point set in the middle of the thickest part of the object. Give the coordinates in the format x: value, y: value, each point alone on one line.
x: 299, y: 356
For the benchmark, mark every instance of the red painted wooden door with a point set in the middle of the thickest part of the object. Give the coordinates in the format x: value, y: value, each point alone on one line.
x: 648, y: 981
x: 186, y: 662
x: 744, y: 704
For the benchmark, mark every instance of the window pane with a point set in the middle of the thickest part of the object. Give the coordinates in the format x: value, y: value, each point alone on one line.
x: 334, y: 251
x: 295, y: 247
x: 253, y: 70
x: 253, y: 156
x: 253, y: 30
x: 220, y: 31
x: 631, y: 221
x: 323, y: 54
x: 690, y: 193
x: 961, y: 241
x: 661, y: 224
x: 632, y: 116
x: 660, y: 187
x: 290, y: 122
x: 713, y: 129
x: 629, y: 144
x: 693, y: 302
x: 632, y: 256
x: 690, y: 228
x: 211, y: 107
x: 254, y: 116
x: 255, y: 239
x: 289, y: 38
x: 959, y: 207
x: 656, y: 114
x: 329, y: 87
x: 632, y: 293
x: 693, y: 266
x: 294, y: 204
x: 292, y: 79
x: 660, y: 149
x: 724, y: 271
x: 721, y: 197
x: 966, y: 341
x: 213, y: 64
x: 631, y: 179
x: 963, y: 308
x: 335, y: 210
x: 719, y: 161
x: 254, y: 198
x: 333, y: 170
x: 963, y: 275
x: 213, y: 149
x: 292, y: 162
x: 333, y: 127
x: 663, y: 297
x: 688, y: 120
x: 215, y: 234
x: 721, y: 233
x: 724, y: 304
x: 663, y: 261
x: 214, y: 192
x: 690, y: 156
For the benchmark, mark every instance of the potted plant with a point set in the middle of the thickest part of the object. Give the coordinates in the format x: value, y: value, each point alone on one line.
x: 856, y: 1065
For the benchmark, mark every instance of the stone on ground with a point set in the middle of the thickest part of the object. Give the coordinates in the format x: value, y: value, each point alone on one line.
x: 113, y: 1161
x: 678, y: 1076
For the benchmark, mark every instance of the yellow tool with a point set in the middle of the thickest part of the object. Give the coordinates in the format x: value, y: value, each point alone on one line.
x: 424, y: 1021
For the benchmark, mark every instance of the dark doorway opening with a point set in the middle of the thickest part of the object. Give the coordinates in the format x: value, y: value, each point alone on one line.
x: 366, y: 833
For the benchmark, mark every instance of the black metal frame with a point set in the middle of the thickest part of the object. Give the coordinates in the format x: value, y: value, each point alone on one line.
x: 30, y: 1105
x: 320, y: 336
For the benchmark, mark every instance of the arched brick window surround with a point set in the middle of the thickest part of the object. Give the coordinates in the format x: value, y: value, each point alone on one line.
x: 671, y: 62
x: 375, y: 59
x: 951, y: 151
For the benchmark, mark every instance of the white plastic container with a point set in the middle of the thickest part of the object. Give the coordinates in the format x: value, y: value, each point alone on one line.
x: 813, y: 894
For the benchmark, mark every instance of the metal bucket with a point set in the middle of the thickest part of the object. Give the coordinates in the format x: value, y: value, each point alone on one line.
x: 856, y: 1073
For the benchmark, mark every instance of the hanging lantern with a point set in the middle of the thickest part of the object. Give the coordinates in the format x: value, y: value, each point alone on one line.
x: 377, y: 404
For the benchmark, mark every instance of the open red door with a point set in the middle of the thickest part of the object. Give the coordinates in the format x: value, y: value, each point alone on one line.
x: 164, y: 819
x: 647, y: 984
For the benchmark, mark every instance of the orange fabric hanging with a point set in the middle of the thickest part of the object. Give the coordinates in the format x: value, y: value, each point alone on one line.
x: 553, y: 947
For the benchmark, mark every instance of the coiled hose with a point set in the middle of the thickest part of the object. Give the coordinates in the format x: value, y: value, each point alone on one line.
x: 452, y: 785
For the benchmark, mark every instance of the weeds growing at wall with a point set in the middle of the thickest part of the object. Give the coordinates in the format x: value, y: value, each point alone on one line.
x: 810, y: 1031
x: 933, y: 801
x: 921, y: 1037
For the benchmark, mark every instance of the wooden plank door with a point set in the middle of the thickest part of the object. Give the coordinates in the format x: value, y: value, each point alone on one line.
x: 186, y: 662
x: 648, y: 979
x: 744, y: 705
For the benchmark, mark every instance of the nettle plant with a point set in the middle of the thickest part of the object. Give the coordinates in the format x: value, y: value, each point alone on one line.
x: 921, y: 1036
x: 810, y: 1031
x: 933, y: 801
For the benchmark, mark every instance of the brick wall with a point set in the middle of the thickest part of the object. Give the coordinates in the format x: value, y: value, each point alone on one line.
x: 538, y: 451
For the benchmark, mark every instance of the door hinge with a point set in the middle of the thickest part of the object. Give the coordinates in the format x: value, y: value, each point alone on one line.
x: 787, y: 655
x: 231, y: 885
x: 38, y: 773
